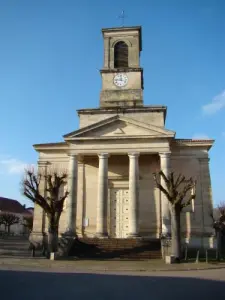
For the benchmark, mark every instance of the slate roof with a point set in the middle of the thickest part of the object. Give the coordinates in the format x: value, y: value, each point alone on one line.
x: 30, y: 209
x: 12, y: 206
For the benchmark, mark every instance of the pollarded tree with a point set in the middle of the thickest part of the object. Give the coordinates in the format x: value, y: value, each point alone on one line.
x: 51, y: 200
x: 8, y: 220
x: 179, y: 192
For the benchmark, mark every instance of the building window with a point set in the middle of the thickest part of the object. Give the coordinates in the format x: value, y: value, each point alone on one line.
x: 121, y: 55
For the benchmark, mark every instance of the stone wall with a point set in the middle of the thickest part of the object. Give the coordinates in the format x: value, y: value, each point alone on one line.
x: 197, y: 228
x: 154, y: 118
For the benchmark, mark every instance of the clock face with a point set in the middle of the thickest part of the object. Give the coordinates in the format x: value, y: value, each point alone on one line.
x: 120, y: 79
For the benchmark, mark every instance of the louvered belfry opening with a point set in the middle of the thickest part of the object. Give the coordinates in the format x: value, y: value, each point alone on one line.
x: 121, y: 55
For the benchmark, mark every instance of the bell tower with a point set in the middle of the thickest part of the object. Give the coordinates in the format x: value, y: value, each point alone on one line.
x: 122, y: 76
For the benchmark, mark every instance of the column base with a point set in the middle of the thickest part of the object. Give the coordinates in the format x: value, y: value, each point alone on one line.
x: 166, y: 230
x: 101, y: 235
x: 69, y: 232
x: 165, y: 235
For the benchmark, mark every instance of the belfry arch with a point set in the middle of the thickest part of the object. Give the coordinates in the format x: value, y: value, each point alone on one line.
x: 121, y: 55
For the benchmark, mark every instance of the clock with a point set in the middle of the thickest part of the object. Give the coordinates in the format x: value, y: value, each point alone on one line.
x: 120, y: 79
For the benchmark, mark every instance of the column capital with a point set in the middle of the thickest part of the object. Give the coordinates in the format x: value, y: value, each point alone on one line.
x: 133, y: 154
x: 43, y: 163
x: 73, y: 156
x: 103, y: 155
x: 164, y: 154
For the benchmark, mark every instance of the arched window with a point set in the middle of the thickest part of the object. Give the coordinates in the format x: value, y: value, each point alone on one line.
x: 121, y: 55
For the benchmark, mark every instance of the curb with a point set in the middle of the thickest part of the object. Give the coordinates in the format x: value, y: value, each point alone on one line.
x: 68, y: 269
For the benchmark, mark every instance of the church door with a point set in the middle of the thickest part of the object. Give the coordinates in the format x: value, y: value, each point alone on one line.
x: 119, y: 226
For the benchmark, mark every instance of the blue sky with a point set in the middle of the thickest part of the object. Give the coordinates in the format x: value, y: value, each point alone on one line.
x: 51, y: 52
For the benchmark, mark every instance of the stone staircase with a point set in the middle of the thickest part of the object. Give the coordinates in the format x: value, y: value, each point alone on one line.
x: 15, y: 246
x: 93, y: 248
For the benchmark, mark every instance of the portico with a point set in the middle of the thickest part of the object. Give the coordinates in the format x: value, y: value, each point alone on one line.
x: 130, y: 189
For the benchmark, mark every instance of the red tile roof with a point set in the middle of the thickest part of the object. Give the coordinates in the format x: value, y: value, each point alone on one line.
x: 12, y: 206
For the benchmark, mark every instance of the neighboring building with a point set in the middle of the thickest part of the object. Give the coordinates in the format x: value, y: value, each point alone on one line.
x: 13, y: 207
x: 111, y: 158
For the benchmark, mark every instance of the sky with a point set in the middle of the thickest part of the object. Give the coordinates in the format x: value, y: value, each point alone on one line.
x: 52, y: 50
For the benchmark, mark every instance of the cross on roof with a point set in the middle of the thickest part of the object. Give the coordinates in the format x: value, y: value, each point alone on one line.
x: 122, y: 17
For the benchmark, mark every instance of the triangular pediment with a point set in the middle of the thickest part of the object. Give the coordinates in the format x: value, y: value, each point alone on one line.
x: 119, y: 126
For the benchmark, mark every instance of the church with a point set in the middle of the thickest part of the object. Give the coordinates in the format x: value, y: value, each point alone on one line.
x: 111, y: 159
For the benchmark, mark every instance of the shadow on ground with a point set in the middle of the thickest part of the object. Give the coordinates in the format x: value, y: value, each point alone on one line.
x: 41, y: 285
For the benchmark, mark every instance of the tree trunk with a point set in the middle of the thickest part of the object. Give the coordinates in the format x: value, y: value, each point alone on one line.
x: 175, y: 233
x: 8, y: 228
x: 52, y: 241
x: 53, y: 234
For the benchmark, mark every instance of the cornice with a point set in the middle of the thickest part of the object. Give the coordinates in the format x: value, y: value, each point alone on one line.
x: 116, y: 110
x: 194, y: 143
x: 122, y: 70
x: 128, y: 28
x: 125, y: 137
x: 51, y: 146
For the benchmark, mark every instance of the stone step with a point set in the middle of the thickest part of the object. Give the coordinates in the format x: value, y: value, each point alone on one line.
x: 15, y: 246
x: 112, y: 248
x: 14, y: 251
x: 119, y: 241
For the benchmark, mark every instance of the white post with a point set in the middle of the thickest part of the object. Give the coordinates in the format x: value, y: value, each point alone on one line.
x: 133, y: 194
x: 102, y: 201
x: 165, y: 210
x: 72, y: 197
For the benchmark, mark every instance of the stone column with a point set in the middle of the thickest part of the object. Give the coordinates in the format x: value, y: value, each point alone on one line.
x: 102, y: 201
x: 72, y: 197
x: 80, y: 196
x: 106, y: 52
x: 165, y: 166
x: 133, y: 194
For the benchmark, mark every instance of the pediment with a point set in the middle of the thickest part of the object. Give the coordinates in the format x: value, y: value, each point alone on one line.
x: 119, y: 126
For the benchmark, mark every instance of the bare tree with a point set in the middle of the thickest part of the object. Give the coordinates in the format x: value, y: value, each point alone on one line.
x: 218, y: 218
x: 8, y: 220
x: 179, y: 192
x: 52, y: 200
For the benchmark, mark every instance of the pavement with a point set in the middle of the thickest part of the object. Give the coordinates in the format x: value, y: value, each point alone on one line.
x: 108, y: 280
x: 43, y: 264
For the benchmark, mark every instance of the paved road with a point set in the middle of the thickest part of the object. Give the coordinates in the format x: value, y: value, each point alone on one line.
x: 39, y: 285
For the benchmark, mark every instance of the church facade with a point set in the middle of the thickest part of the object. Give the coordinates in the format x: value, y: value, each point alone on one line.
x: 111, y: 159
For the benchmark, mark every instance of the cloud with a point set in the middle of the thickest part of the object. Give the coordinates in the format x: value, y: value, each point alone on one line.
x: 200, y: 137
x: 217, y: 103
x: 12, y: 165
